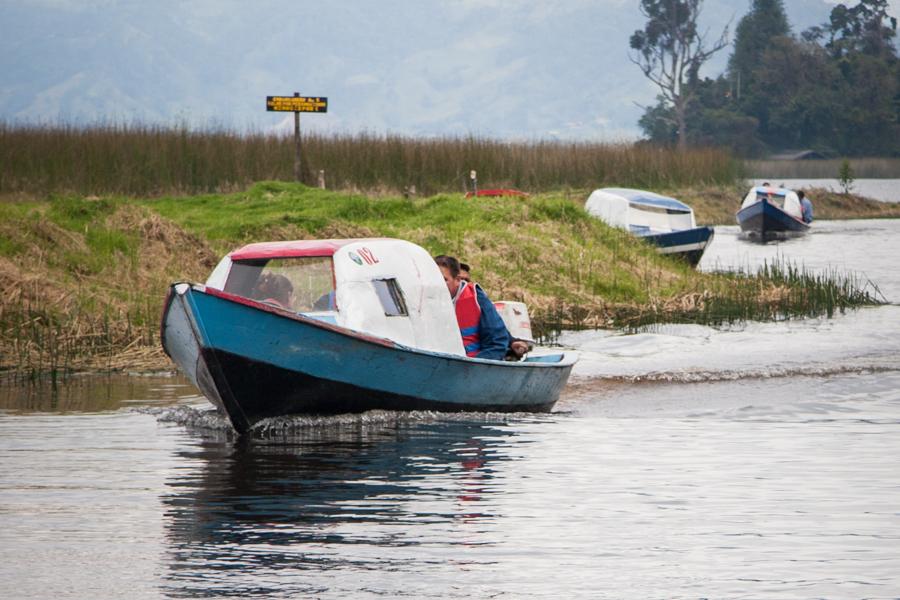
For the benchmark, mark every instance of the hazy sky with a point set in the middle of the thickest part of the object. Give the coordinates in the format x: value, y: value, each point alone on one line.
x: 504, y: 68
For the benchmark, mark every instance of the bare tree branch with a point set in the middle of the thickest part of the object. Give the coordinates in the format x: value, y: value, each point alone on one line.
x: 670, y: 51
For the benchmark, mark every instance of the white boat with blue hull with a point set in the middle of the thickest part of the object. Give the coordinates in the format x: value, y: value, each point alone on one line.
x: 665, y: 222
x: 254, y: 359
x: 771, y: 213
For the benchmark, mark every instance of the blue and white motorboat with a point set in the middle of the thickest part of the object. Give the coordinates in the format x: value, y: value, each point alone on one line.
x: 665, y: 222
x: 367, y: 324
x: 768, y: 213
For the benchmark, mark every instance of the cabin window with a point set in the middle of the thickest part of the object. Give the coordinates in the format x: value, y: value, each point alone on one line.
x: 303, y: 284
x: 663, y: 210
x: 391, y: 297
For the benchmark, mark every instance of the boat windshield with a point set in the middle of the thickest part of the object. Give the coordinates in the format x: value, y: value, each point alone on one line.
x: 304, y: 284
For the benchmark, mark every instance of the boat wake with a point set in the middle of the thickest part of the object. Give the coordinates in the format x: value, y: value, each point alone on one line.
x: 768, y: 372
x: 212, y: 422
x: 857, y: 342
x: 193, y: 417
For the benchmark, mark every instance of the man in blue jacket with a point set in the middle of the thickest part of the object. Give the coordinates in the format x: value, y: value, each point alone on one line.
x: 483, y: 332
x: 806, y: 207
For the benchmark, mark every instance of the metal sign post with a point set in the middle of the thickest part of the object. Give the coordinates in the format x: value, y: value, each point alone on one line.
x: 297, y: 177
x: 297, y: 104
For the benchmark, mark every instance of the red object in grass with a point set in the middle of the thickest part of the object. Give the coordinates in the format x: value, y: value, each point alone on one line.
x: 496, y: 193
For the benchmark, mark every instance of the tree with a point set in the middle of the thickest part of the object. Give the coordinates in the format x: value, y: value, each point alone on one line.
x: 804, y: 96
x: 670, y: 51
x: 658, y: 123
x: 860, y: 42
x: 845, y: 176
x: 866, y: 28
x: 714, y: 120
x: 765, y: 21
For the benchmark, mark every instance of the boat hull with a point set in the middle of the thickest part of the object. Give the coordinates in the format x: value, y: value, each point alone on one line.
x: 687, y: 244
x: 254, y: 362
x: 765, y: 221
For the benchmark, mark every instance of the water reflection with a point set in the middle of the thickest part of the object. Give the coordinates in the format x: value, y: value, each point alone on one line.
x: 255, y: 516
x: 92, y: 393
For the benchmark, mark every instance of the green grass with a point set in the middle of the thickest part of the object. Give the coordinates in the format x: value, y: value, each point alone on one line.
x: 507, y: 239
x: 85, y: 278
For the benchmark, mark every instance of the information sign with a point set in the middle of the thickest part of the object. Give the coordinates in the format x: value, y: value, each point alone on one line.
x: 313, y: 104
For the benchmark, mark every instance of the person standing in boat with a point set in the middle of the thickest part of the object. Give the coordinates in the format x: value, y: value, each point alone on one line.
x: 806, y: 206
x: 483, y: 332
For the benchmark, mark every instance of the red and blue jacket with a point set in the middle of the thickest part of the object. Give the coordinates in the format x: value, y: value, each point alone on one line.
x: 483, y: 332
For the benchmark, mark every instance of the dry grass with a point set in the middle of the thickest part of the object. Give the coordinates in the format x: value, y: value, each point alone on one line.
x: 144, y: 161
x: 59, y: 313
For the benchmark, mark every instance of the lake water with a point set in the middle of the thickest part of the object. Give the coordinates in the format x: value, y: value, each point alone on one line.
x: 754, y: 461
x: 885, y: 190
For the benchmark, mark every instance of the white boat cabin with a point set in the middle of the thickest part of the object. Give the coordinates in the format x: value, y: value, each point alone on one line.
x: 785, y: 199
x: 639, y: 211
x: 383, y: 287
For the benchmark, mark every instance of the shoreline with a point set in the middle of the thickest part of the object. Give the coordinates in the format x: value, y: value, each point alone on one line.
x: 85, y: 277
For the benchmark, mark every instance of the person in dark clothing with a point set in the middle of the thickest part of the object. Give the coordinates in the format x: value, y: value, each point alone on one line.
x: 806, y: 207
x: 517, y: 347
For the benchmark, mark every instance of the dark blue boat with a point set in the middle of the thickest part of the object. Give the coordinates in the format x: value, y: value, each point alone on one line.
x: 254, y: 360
x: 687, y: 244
x: 665, y: 222
x: 769, y: 213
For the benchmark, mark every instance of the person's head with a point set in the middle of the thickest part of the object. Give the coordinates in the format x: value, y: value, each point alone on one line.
x: 450, y: 270
x: 766, y: 184
x: 801, y: 194
x: 464, y: 272
x: 277, y: 287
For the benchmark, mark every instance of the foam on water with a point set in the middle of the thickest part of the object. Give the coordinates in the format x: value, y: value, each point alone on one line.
x: 209, y: 420
x: 862, y: 340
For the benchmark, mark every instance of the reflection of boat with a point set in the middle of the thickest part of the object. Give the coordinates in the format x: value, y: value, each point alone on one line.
x: 665, y: 222
x: 769, y: 213
x: 369, y: 325
x: 256, y: 512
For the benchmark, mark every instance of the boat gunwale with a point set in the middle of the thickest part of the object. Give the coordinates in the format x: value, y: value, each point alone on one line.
x: 567, y: 358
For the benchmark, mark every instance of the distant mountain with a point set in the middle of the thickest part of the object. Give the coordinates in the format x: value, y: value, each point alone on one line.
x: 500, y: 68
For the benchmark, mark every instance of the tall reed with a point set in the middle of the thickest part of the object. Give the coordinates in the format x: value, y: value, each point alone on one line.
x: 778, y: 290
x: 149, y: 160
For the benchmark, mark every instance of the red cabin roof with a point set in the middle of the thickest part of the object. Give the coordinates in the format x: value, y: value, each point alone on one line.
x: 291, y: 249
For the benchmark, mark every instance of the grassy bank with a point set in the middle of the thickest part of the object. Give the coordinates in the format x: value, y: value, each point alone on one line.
x: 143, y: 160
x: 84, y: 278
